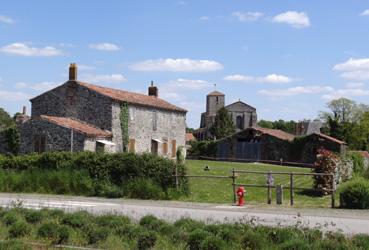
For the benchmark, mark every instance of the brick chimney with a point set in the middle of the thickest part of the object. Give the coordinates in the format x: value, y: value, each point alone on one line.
x: 73, y: 72
x: 153, y: 90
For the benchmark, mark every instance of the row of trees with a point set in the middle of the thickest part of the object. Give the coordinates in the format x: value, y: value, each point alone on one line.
x: 9, y: 131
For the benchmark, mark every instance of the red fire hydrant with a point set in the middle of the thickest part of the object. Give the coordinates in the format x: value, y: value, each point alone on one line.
x: 241, y: 194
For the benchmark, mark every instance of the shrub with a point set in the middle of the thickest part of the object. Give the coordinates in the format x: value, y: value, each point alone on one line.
x: 10, y: 218
x: 325, y: 163
x: 196, y: 238
x: 144, y: 189
x: 19, y: 229
x: 14, y: 245
x: 56, y: 233
x: 281, y: 235
x: 96, y: 234
x: 151, y: 222
x: 358, y: 163
x: 361, y: 241
x: 252, y: 240
x: 202, y: 148
x: 227, y: 234
x: 212, y: 243
x: 77, y: 220
x: 146, y: 240
x: 295, y: 244
x: 33, y: 216
x: 188, y: 224
x: 355, y: 194
x: 112, y: 221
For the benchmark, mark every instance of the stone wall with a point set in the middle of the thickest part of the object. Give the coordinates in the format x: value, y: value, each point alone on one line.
x: 74, y: 100
x: 169, y: 126
x: 57, y: 138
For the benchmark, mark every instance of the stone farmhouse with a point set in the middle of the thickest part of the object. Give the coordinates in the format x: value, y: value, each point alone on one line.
x: 243, y: 115
x: 79, y: 116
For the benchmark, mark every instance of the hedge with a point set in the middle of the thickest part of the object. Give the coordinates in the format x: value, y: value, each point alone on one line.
x: 355, y: 194
x: 118, y: 168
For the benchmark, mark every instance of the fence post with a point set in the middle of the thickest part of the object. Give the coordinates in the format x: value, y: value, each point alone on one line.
x: 234, y: 186
x: 333, y: 191
x: 269, y: 198
x: 291, y: 189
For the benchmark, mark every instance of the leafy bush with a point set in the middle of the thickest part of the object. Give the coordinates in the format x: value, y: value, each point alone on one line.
x: 361, y: 241
x: 358, y: 162
x: 14, y: 245
x: 326, y: 164
x: 144, y: 189
x: 252, y: 240
x: 77, y: 220
x: 54, y: 232
x: 112, y: 221
x: 19, y: 229
x: 10, y: 218
x: 33, y: 216
x: 151, y: 222
x: 96, y: 234
x: 295, y: 244
x: 78, y: 173
x: 188, y: 224
x: 212, y: 243
x: 146, y: 240
x: 355, y: 194
x: 202, y: 148
x: 196, y: 238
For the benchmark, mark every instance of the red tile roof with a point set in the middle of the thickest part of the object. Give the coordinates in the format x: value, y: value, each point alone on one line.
x: 276, y: 133
x: 133, y: 98
x: 330, y: 138
x: 190, y: 137
x: 78, y: 126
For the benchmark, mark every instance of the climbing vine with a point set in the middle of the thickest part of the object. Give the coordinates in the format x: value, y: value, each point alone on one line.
x: 124, y: 116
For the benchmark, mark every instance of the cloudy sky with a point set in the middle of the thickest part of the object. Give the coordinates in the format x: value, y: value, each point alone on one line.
x: 286, y: 59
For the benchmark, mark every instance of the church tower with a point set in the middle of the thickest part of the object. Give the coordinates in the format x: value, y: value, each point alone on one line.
x: 214, y: 101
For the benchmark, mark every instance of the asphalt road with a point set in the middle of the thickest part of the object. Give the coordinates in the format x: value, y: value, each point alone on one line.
x: 346, y: 221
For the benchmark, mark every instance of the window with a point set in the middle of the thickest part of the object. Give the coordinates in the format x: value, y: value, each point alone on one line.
x: 100, y: 147
x: 154, y: 121
x: 174, y: 148
x: 39, y: 142
x: 165, y: 148
x: 132, y: 146
x: 154, y: 147
x: 239, y: 122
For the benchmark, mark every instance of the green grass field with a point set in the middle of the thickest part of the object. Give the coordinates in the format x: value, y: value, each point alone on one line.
x: 220, y: 190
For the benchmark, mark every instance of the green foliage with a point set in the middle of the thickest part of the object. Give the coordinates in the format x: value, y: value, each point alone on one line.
x: 196, y: 238
x: 19, y: 229
x: 96, y: 234
x: 212, y: 243
x: 287, y: 126
x: 146, y: 240
x: 144, y: 189
x: 203, y: 148
x: 355, y: 194
x: 151, y: 222
x: 252, y: 241
x: 33, y: 216
x: 223, y: 125
x: 14, y: 245
x: 358, y: 163
x: 124, y: 117
x: 88, y: 173
x: 77, y: 220
x: 54, y: 232
x: 12, y: 138
x: 10, y: 218
x: 5, y: 120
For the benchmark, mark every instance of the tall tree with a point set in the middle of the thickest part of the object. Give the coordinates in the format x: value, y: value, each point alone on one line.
x: 223, y: 125
x: 342, y: 110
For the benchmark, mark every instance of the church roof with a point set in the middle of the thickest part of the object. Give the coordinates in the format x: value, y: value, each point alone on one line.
x: 215, y: 93
x: 240, y: 102
x: 78, y: 126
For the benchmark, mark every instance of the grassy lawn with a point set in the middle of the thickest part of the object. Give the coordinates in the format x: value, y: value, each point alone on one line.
x: 220, y: 190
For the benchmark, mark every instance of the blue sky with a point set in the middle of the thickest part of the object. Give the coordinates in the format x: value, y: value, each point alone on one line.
x: 285, y: 58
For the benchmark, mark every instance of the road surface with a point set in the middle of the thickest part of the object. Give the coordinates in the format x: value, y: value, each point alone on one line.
x: 347, y: 221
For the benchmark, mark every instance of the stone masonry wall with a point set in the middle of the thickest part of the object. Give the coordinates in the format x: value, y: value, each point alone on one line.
x: 170, y: 126
x: 57, y: 138
x: 74, y: 100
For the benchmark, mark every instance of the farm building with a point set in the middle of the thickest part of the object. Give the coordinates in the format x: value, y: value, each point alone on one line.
x: 79, y: 116
x: 258, y: 144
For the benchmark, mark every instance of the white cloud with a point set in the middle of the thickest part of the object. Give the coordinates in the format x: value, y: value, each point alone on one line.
x: 113, y: 78
x: 105, y: 46
x: 247, y: 16
x: 41, y: 86
x: 177, y: 65
x: 293, y: 91
x: 354, y: 69
x: 347, y: 92
x: 350, y: 85
x: 13, y: 96
x: 188, y: 84
x: 6, y: 20
x: 22, y: 49
x: 204, y: 18
x: 295, y: 19
x: 365, y: 13
x: 271, y: 78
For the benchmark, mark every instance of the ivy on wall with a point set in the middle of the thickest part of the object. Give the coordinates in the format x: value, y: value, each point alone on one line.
x: 124, y: 116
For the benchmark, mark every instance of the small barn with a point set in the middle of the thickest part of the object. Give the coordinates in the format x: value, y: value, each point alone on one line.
x: 263, y: 144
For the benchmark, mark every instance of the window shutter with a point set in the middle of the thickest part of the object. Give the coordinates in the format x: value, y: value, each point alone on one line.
x: 174, y: 148
x: 132, y: 146
x: 165, y: 148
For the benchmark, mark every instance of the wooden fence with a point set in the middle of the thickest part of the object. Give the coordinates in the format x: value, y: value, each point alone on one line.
x: 269, y: 186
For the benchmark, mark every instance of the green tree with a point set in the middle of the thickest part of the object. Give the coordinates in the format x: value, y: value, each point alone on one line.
x: 265, y: 124
x: 223, y: 125
x: 5, y: 119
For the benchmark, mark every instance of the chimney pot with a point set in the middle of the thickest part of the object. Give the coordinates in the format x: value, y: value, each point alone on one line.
x: 73, y: 72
